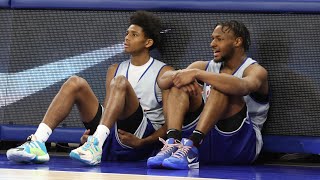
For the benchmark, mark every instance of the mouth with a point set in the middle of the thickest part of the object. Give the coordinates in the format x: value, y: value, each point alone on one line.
x: 216, y: 53
x: 125, y: 45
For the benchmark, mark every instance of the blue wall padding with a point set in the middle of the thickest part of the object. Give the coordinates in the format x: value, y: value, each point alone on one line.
x: 20, y: 133
x: 279, y: 6
x: 4, y: 3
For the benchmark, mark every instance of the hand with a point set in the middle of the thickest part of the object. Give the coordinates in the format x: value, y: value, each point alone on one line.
x: 184, y: 77
x: 85, y: 136
x: 129, y: 139
x: 193, y: 89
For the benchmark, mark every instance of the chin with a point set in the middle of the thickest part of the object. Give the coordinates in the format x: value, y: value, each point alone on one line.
x: 218, y: 60
x: 126, y: 51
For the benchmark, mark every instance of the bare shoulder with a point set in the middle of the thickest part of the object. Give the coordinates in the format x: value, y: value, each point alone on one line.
x: 198, y: 65
x: 257, y: 70
x: 165, y: 69
x: 112, y: 68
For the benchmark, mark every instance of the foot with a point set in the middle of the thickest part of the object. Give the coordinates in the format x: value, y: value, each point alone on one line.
x: 31, y: 151
x: 186, y: 157
x: 89, y: 153
x: 170, y: 146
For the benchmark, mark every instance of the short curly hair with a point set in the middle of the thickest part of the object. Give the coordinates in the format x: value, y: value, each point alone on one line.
x: 149, y: 23
x: 239, y: 30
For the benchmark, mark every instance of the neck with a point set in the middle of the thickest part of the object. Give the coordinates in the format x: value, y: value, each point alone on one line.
x: 140, y: 59
x: 234, y: 62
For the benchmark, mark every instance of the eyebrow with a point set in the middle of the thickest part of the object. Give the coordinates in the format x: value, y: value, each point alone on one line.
x: 133, y: 31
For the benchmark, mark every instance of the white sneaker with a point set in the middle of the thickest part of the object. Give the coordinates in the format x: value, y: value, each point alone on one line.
x: 31, y: 151
x: 89, y: 153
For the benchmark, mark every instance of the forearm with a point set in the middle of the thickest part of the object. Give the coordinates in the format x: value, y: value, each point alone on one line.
x: 224, y: 83
x: 155, y: 136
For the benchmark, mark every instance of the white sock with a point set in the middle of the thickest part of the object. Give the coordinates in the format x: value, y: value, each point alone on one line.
x: 43, y: 132
x: 101, y: 134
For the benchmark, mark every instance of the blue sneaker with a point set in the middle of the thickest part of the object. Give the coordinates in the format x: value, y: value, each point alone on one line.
x: 186, y: 157
x: 89, y: 153
x: 32, y: 151
x: 170, y: 146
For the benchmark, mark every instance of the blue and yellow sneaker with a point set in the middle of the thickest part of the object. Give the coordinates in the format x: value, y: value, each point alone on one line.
x: 186, y: 157
x: 89, y: 153
x: 31, y: 151
x: 170, y: 146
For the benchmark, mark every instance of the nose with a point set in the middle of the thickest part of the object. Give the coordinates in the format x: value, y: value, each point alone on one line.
x: 213, y: 43
x: 126, y: 37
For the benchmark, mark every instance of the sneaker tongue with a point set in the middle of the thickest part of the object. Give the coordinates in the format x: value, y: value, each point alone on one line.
x: 186, y: 142
x: 93, y: 140
x: 170, y: 141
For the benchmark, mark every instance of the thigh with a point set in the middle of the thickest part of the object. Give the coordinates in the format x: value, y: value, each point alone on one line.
x: 86, y: 101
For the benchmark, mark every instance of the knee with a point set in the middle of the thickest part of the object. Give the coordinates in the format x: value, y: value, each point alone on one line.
x: 74, y: 83
x: 178, y: 93
x: 119, y: 83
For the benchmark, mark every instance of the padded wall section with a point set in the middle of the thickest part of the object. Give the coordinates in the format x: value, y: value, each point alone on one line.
x: 5, y: 41
x: 216, y: 5
x: 49, y: 45
x: 4, y: 3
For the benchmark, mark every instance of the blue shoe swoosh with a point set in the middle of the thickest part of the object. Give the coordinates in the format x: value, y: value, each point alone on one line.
x: 16, y: 86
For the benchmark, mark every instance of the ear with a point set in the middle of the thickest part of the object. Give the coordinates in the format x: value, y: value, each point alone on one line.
x: 238, y: 42
x: 149, y: 43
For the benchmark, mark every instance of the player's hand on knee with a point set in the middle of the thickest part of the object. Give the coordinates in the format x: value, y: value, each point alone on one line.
x: 184, y: 77
x: 85, y: 136
x: 129, y: 139
x: 192, y: 89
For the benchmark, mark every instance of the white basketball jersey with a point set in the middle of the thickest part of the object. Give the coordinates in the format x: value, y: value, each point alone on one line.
x: 256, y: 111
x: 147, y: 90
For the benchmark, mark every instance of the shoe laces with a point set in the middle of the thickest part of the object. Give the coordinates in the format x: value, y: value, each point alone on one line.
x: 29, y: 140
x: 182, y: 151
x: 88, y: 144
x: 167, y: 147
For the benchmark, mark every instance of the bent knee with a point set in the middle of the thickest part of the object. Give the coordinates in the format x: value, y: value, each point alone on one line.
x: 75, y: 83
x: 119, y: 82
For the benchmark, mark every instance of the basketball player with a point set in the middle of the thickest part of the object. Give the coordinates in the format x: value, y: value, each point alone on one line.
x: 236, y: 97
x: 132, y: 117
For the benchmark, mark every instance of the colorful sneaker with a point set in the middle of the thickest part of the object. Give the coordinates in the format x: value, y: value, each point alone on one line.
x: 89, y: 153
x: 170, y: 146
x: 186, y: 157
x: 31, y: 151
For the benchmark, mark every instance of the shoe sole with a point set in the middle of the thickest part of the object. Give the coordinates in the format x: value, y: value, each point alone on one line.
x: 169, y: 165
x: 24, y: 157
x: 154, y: 166
x: 20, y: 156
x: 76, y: 157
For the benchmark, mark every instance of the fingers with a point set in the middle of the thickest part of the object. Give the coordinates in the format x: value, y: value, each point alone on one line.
x: 121, y: 132
x: 87, y: 132
x: 191, y: 89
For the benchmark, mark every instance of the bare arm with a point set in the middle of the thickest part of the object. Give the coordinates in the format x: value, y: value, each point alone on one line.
x: 254, y: 80
x: 165, y: 79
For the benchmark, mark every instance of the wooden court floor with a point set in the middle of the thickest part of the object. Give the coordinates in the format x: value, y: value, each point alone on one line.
x: 62, y: 167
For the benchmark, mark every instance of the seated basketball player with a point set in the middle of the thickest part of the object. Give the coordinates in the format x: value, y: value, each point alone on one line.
x: 132, y: 117
x: 232, y: 105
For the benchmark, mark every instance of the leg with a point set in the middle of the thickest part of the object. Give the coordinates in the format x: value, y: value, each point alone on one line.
x: 74, y: 91
x: 77, y: 91
x: 120, y: 105
x: 218, y: 107
x: 179, y: 103
x: 122, y: 102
